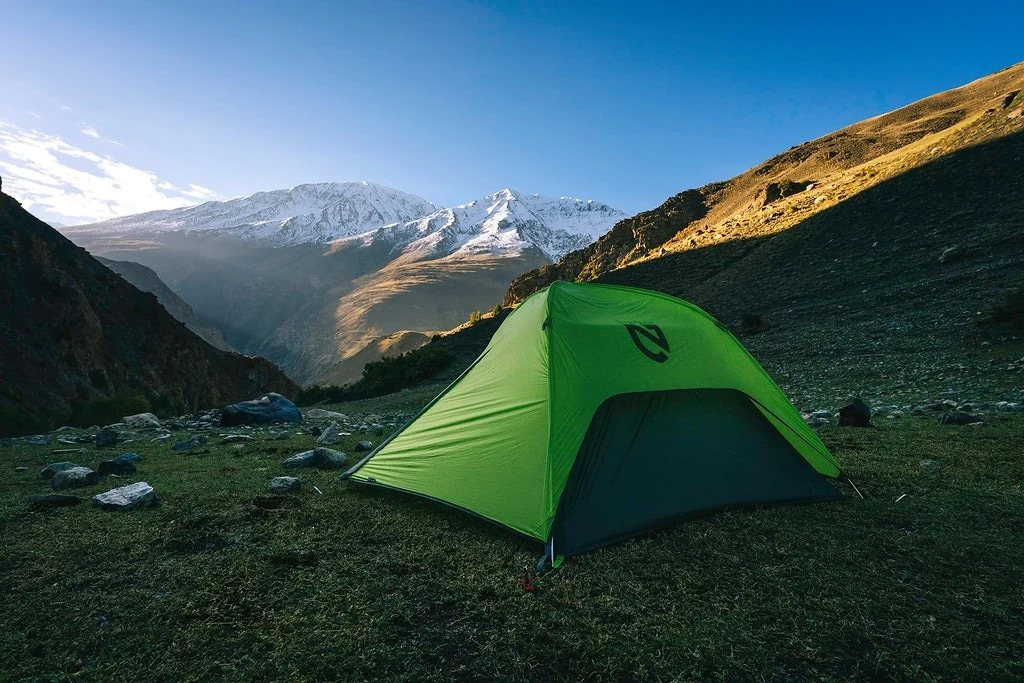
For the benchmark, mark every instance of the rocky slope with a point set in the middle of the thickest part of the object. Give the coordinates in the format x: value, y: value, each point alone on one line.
x: 857, y: 264
x: 805, y: 180
x: 72, y: 331
x: 145, y: 279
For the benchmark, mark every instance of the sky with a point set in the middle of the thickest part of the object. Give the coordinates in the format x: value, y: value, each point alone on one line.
x: 120, y: 106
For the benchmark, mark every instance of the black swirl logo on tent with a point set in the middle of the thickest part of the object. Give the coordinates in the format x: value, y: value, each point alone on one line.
x: 650, y: 340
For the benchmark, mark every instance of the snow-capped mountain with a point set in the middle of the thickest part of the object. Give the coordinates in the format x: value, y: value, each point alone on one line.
x: 502, y: 224
x: 319, y: 212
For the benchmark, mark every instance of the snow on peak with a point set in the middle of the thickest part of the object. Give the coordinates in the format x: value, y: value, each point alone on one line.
x: 313, y: 212
x: 505, y: 223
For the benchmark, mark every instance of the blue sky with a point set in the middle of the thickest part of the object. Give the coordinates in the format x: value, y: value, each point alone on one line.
x: 121, y: 106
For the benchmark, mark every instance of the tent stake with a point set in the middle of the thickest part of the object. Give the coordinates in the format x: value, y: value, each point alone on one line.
x: 855, y: 488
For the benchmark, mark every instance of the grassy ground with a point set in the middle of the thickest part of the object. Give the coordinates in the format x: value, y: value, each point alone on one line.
x: 225, y: 581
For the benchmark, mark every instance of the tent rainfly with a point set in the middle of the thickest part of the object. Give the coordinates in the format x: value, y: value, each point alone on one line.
x: 598, y: 412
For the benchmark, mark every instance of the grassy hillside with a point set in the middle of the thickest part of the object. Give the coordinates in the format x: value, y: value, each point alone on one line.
x: 225, y: 581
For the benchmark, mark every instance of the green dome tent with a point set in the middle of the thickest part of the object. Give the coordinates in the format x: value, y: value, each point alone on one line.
x: 597, y: 412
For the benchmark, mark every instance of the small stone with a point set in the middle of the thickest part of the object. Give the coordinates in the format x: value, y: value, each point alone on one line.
x: 928, y: 463
x: 141, y: 421
x: 321, y: 414
x: 322, y: 458
x: 959, y: 419
x: 139, y: 494
x: 73, y: 478
x: 38, y: 440
x: 236, y: 438
x: 52, y: 500
x: 122, y: 464
x: 855, y: 414
x: 285, y: 484
x: 106, y: 437
x: 331, y: 434
x: 364, y: 446
x: 193, y: 443
x: 53, y: 468
x: 21, y: 468
x: 162, y: 438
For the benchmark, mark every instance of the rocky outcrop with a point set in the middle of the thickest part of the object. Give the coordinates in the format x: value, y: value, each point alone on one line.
x: 72, y: 332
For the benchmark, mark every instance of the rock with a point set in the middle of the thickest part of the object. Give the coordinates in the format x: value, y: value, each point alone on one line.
x: 285, y: 484
x: 52, y: 500
x: 270, y: 408
x: 21, y: 468
x: 951, y: 254
x: 322, y: 458
x: 122, y: 464
x: 162, y: 438
x: 331, y: 434
x: 959, y: 419
x: 141, y: 421
x: 236, y: 438
x: 1008, y: 407
x: 855, y: 414
x: 53, y: 468
x: 364, y: 446
x: 928, y: 463
x: 321, y: 414
x: 37, y: 440
x: 193, y: 443
x: 826, y: 414
x: 106, y: 437
x: 73, y: 478
x: 139, y: 494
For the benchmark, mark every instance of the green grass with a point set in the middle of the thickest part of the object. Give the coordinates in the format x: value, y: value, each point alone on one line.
x: 358, y: 583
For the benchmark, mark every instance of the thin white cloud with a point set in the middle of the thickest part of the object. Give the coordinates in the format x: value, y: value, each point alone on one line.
x: 65, y: 182
x: 32, y: 113
x: 91, y: 132
x: 65, y: 107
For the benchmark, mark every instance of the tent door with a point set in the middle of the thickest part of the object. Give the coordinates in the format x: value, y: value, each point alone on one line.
x: 652, y: 458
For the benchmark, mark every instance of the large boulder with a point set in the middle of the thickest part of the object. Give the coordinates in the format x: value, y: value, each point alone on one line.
x: 264, y: 410
x: 141, y: 421
x: 322, y: 458
x: 74, y: 478
x: 139, y: 494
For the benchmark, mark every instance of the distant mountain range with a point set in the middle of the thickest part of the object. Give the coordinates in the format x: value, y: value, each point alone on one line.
x: 320, y: 277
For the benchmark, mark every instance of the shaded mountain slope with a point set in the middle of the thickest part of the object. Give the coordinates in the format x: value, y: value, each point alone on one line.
x: 72, y: 331
x: 145, y: 279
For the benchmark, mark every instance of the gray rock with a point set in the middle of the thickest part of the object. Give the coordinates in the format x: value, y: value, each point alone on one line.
x: 855, y: 414
x: 74, y: 478
x: 52, y: 500
x: 267, y: 409
x: 162, y: 438
x: 193, y: 443
x: 106, y: 437
x: 141, y: 421
x: 285, y: 484
x: 331, y: 434
x: 322, y: 458
x: 959, y: 419
x: 321, y: 414
x: 139, y: 494
x: 122, y: 464
x: 928, y: 463
x: 55, y: 467
x: 21, y: 468
x: 37, y: 440
x: 364, y: 446
x: 236, y: 438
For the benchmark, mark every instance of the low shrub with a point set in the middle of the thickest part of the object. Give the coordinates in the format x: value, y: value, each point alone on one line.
x: 110, y: 409
x: 385, y: 376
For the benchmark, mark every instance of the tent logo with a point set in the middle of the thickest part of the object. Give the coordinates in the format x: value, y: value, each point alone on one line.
x: 644, y: 334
